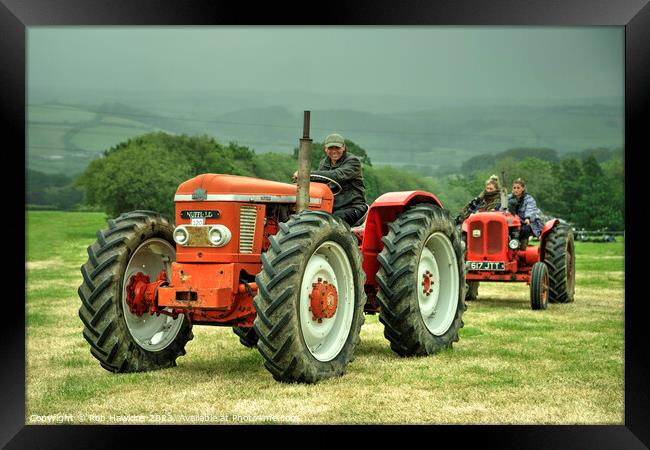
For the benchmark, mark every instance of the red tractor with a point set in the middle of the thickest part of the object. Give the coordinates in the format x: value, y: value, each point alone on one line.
x: 494, y: 253
x: 294, y: 285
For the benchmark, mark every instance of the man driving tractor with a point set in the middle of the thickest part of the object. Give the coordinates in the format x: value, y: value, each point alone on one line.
x: 345, y: 169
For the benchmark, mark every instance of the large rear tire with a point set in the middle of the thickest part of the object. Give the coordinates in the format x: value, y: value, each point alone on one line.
x: 421, y: 282
x: 312, y: 250
x: 121, y: 341
x: 559, y: 256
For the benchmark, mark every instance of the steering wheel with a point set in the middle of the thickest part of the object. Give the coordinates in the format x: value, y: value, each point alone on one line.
x: 333, y: 185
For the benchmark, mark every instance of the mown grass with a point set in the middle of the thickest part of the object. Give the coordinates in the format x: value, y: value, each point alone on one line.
x: 512, y: 365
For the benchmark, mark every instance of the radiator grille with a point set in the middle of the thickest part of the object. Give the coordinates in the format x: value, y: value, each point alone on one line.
x: 476, y: 244
x: 495, y: 243
x: 247, y: 220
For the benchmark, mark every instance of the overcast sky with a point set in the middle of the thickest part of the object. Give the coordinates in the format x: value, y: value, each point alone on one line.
x: 469, y: 62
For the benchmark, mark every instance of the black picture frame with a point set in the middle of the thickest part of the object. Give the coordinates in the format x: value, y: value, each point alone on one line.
x: 634, y: 15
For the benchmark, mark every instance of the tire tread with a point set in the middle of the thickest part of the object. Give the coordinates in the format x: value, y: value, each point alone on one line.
x: 403, y: 325
x: 277, y: 325
x: 100, y: 293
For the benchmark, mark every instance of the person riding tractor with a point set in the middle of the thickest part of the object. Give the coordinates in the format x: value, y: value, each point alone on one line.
x: 345, y: 169
x: 487, y: 200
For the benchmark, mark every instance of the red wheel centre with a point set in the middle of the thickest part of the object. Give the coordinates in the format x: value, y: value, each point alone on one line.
x: 427, y: 281
x: 141, y: 293
x: 135, y: 293
x: 324, y: 300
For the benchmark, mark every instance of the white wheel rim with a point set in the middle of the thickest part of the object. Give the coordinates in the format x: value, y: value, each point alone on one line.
x: 439, y: 263
x: 326, y: 339
x: 151, y: 332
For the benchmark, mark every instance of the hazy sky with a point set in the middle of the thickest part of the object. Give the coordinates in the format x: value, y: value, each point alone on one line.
x: 470, y: 62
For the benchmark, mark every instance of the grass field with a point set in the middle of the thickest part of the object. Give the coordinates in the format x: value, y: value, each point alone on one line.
x: 512, y: 365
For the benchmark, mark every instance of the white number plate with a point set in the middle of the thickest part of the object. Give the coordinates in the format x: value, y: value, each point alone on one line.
x: 485, y: 265
x: 197, y: 222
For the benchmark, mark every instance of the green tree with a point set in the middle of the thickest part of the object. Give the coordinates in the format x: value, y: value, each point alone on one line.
x: 540, y: 182
x: 521, y: 153
x: 63, y: 197
x: 597, y: 207
x: 379, y: 180
x: 614, y: 171
x: 455, y: 191
x: 487, y: 160
x: 601, y: 154
x: 142, y: 176
x: 570, y: 188
x: 478, y: 162
x: 39, y: 182
x: 274, y: 166
x: 144, y: 172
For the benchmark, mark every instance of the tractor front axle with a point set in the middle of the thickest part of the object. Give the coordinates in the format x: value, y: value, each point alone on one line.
x: 141, y: 293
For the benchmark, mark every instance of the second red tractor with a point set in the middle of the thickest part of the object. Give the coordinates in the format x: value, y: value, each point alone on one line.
x: 495, y: 253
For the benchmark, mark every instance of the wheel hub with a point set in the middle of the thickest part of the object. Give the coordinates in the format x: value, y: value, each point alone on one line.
x: 324, y: 300
x: 135, y: 294
x: 427, y: 283
x: 141, y: 293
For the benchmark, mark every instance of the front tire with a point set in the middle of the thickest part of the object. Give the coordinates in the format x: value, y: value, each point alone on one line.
x: 559, y: 256
x: 312, y: 250
x: 539, y: 284
x: 472, y: 291
x: 421, y: 282
x: 121, y: 341
x: 247, y: 336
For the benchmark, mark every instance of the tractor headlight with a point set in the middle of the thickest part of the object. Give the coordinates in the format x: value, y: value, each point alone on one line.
x: 181, y: 235
x: 513, y: 244
x: 219, y: 235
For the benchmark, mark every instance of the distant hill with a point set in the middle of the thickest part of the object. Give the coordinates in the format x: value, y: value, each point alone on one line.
x: 429, y: 135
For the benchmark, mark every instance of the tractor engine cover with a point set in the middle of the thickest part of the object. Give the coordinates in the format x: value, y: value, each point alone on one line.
x: 487, y: 237
x: 237, y: 206
x: 233, y: 188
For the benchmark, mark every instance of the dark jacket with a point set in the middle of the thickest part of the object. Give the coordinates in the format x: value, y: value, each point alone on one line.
x: 347, y: 173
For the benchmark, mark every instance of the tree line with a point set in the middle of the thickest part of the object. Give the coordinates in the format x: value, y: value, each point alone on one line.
x: 144, y: 172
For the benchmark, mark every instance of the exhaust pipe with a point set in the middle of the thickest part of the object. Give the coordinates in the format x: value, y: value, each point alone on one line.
x: 304, y: 166
x: 503, y: 195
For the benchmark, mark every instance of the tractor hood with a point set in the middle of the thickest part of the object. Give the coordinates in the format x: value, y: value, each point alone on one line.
x: 220, y: 187
x: 491, y: 217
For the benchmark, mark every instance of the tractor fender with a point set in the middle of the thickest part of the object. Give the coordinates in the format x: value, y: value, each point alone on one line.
x: 383, y: 211
x: 548, y: 226
x: 405, y: 198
